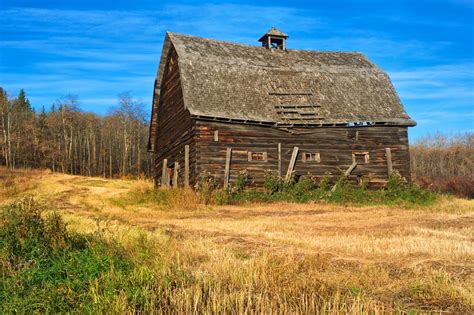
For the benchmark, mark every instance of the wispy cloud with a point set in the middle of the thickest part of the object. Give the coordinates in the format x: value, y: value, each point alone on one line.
x: 453, y: 82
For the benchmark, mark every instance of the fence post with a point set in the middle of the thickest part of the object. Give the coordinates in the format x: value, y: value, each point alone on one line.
x: 227, y: 167
x: 279, y: 159
x: 186, y: 166
x: 292, y: 163
x: 175, y: 174
x: 388, y: 154
x: 164, y: 174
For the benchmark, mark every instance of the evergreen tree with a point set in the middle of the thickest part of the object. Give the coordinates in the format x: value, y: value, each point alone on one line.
x: 23, y: 102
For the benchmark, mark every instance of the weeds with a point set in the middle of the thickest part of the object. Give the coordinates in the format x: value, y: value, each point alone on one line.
x: 46, y: 268
x: 206, y: 186
x: 308, y: 189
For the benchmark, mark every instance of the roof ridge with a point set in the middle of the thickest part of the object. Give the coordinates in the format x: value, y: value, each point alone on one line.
x: 173, y: 34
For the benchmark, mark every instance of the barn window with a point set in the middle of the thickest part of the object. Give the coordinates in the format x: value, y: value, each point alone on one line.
x: 311, y: 157
x: 352, y: 134
x: 258, y: 156
x: 360, y: 157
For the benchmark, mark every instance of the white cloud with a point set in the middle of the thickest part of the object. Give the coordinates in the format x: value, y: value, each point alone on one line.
x: 452, y: 83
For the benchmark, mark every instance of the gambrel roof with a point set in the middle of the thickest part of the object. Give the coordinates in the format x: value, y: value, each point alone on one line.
x: 236, y: 82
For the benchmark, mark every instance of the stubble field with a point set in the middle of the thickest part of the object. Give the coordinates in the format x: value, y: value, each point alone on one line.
x: 252, y: 258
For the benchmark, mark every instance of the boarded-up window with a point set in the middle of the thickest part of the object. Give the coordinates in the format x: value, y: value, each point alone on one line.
x: 352, y: 134
x: 311, y: 157
x: 360, y: 157
x: 258, y: 156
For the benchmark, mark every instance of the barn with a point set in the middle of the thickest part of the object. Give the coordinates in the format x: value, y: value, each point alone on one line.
x: 220, y: 108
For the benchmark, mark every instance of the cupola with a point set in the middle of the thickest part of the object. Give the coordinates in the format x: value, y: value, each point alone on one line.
x: 274, y: 39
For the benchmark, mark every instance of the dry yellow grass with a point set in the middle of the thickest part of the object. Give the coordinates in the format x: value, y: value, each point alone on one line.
x: 374, y: 258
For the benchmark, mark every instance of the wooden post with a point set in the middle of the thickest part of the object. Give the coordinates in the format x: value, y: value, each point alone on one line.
x: 350, y: 169
x: 175, y: 174
x: 279, y: 159
x: 164, y: 174
x: 227, y: 167
x: 186, y: 166
x: 292, y: 163
x: 346, y: 173
x: 388, y: 154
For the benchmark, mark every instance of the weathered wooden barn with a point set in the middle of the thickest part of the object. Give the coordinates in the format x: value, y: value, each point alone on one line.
x: 222, y: 107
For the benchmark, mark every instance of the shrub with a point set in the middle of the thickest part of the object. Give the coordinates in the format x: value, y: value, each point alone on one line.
x: 398, y: 191
x: 241, y: 181
x: 345, y: 192
x: 324, y: 183
x: 301, y: 190
x: 461, y: 186
x: 206, y: 185
x: 273, y: 182
x: 233, y: 193
x: 223, y: 196
x: 304, y: 186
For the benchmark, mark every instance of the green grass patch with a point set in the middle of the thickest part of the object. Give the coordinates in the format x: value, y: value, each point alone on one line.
x: 397, y: 192
x: 47, y: 269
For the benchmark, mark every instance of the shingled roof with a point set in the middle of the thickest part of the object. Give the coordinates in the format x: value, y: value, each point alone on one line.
x: 273, y: 32
x: 288, y: 88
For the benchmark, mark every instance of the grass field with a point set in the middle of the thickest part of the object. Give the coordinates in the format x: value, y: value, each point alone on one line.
x: 178, y: 255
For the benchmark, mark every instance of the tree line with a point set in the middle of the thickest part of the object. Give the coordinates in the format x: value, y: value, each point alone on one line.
x: 443, y: 156
x: 68, y: 140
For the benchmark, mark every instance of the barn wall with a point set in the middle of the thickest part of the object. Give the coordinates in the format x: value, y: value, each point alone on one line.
x: 175, y: 127
x: 335, y: 146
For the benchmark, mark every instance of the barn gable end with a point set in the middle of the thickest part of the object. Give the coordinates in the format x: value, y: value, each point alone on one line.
x: 175, y: 126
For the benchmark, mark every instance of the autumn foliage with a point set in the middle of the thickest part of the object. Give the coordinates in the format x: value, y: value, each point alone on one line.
x: 68, y: 140
x: 445, y: 163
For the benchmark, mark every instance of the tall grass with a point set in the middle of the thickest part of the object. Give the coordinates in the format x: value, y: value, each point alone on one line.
x: 143, y: 193
x: 15, y: 182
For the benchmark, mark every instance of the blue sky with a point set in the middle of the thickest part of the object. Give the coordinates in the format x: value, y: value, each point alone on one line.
x: 98, y: 49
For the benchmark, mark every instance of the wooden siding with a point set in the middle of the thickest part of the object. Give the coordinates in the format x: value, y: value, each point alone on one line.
x: 175, y: 127
x: 334, y: 145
